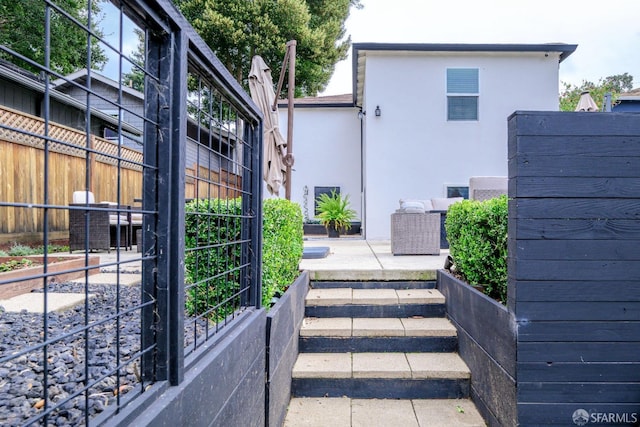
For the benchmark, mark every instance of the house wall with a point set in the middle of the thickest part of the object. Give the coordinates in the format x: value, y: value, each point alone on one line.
x: 326, y: 146
x: 133, y: 107
x: 412, y: 151
x: 17, y: 97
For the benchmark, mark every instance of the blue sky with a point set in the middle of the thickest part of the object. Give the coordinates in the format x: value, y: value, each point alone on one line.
x: 607, y: 33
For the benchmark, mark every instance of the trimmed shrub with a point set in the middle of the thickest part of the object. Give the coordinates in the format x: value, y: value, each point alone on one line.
x: 477, y: 234
x: 212, y: 258
x: 282, y: 246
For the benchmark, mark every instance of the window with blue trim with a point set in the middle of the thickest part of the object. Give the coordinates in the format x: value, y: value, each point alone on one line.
x: 462, y: 94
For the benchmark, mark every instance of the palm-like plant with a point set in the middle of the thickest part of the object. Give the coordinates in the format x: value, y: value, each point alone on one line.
x: 334, y: 211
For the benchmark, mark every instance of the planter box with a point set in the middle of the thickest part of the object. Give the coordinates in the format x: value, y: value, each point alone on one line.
x: 283, y: 329
x: 60, y: 269
x: 487, y: 344
x: 319, y: 229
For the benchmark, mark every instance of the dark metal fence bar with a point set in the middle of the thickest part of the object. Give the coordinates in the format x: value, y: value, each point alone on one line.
x: 130, y: 334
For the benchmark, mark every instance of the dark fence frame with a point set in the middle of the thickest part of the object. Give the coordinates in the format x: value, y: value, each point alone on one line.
x: 173, y: 50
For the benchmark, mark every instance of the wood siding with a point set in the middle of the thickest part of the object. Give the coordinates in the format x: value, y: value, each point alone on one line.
x: 24, y: 180
x: 574, y: 263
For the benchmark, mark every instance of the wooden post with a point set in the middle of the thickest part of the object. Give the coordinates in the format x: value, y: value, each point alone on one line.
x: 291, y: 49
x: 290, y: 56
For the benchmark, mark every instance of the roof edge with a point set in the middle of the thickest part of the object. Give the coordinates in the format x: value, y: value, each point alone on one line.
x: 564, y: 49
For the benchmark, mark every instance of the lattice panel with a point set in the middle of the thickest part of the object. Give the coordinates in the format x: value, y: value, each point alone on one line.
x: 22, y: 128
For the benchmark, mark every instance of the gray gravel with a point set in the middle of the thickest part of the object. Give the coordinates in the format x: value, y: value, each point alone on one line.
x: 22, y: 376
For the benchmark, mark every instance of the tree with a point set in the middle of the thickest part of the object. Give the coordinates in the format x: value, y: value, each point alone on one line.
x: 236, y: 30
x: 68, y: 42
x: 616, y: 84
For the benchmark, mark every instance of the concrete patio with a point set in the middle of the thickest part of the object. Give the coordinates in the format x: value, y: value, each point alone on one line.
x: 353, y: 258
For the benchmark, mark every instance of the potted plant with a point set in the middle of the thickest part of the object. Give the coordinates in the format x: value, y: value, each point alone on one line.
x: 334, y: 212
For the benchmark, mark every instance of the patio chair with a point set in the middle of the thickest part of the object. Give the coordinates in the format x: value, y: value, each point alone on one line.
x: 414, y: 231
x: 136, y: 225
x: 104, y: 220
x: 487, y: 187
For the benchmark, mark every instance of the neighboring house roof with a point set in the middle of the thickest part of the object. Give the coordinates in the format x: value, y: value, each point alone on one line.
x: 360, y: 50
x: 80, y: 76
x: 31, y: 82
x: 632, y: 95
x: 345, y: 100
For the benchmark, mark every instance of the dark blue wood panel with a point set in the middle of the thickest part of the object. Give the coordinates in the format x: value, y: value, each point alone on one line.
x: 579, y: 250
x: 575, y: 270
x: 408, y: 310
x: 546, y: 123
x: 576, y: 291
x: 574, y: 263
x: 493, y: 386
x: 552, y: 371
x: 578, y: 208
x: 399, y: 284
x: 579, y: 352
x: 580, y: 145
x: 579, y: 392
x: 568, y: 187
x: 559, y: 165
x: 489, y: 323
x: 579, y: 310
x: 379, y: 388
x: 543, y: 332
x: 378, y: 344
x: 561, y: 414
x: 575, y: 229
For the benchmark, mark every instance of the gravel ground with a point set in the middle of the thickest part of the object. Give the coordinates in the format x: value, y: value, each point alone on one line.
x: 22, y: 377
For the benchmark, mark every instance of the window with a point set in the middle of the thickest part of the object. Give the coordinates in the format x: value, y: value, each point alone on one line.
x: 462, y: 93
x: 457, y: 191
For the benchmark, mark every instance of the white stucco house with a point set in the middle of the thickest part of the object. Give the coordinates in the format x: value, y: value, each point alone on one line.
x: 422, y: 119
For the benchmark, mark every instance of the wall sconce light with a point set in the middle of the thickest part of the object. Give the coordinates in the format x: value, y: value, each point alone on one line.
x: 378, y: 112
x: 361, y: 114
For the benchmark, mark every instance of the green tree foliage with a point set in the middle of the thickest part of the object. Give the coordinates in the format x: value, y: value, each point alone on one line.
x: 236, y: 30
x: 616, y: 84
x: 22, y: 30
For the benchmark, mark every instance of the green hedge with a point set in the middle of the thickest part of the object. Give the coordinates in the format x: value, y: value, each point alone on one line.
x: 477, y: 235
x: 208, y: 257
x: 281, y: 246
x: 206, y: 267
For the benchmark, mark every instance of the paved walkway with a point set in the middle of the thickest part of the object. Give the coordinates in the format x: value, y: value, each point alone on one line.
x: 352, y: 259
x: 349, y: 258
x: 359, y: 259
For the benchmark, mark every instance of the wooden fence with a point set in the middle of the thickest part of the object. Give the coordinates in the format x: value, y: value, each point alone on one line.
x: 574, y: 266
x: 23, y: 181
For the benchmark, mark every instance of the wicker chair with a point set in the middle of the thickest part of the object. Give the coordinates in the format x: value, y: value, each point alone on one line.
x: 415, y: 233
x: 103, y: 226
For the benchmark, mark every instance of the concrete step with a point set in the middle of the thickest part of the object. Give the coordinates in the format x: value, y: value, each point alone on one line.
x: 381, y: 375
x: 341, y: 335
x: 346, y: 412
x: 348, y: 302
x: 405, y: 284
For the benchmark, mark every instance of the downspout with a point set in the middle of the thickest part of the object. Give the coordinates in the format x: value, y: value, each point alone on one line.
x: 363, y: 206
